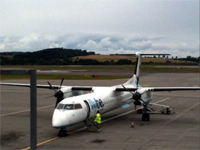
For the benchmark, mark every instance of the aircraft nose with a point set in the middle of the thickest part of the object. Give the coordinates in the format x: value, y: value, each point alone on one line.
x: 57, y: 121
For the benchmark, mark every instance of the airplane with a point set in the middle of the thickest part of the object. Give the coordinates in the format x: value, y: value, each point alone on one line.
x: 73, y: 106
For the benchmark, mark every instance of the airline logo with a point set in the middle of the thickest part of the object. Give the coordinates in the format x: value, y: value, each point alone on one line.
x: 96, y: 104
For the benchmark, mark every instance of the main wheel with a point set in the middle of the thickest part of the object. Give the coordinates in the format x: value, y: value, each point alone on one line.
x: 143, y: 117
x: 148, y: 117
x: 168, y: 112
x: 139, y: 111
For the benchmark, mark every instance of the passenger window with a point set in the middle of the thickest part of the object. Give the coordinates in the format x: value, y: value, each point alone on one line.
x: 60, y: 106
x: 78, y: 106
x: 69, y: 106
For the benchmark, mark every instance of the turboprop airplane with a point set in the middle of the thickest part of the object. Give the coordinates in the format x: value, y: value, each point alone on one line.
x: 73, y: 107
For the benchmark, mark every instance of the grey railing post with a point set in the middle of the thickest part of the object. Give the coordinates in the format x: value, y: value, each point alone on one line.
x: 33, y: 105
x: 33, y: 101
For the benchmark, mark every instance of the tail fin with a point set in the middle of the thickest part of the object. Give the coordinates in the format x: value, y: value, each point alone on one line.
x: 135, y: 79
x: 137, y: 67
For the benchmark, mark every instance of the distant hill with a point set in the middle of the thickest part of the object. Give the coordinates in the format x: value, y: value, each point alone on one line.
x: 43, y: 57
x: 61, y: 56
x: 54, y: 53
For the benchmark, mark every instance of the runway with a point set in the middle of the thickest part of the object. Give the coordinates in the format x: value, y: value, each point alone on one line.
x: 179, y: 130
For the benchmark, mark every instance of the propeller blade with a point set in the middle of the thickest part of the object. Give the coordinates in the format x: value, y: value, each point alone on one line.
x: 127, y: 89
x: 58, y: 93
x: 144, y: 103
x: 61, y: 82
x: 51, y: 86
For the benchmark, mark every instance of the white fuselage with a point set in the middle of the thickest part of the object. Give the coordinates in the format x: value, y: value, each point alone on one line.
x: 76, y: 109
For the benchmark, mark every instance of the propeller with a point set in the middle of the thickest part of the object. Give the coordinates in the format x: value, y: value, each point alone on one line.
x: 58, y: 93
x: 136, y: 96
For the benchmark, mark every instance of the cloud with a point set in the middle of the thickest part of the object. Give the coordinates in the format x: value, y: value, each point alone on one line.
x: 103, y: 44
x: 105, y: 27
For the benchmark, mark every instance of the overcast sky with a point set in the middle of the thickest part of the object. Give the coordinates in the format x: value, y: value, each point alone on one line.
x: 103, y: 26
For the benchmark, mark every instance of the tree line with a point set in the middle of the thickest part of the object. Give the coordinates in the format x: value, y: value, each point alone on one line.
x: 61, y: 56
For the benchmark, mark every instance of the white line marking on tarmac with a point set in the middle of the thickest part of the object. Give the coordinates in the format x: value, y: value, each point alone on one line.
x: 86, y: 127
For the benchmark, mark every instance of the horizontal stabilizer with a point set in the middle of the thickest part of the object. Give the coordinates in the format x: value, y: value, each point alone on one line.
x: 141, y: 54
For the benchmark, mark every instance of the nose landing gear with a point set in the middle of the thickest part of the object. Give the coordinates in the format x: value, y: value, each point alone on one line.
x: 62, y: 132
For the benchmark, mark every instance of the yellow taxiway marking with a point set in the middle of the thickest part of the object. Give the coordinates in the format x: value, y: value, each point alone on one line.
x: 44, y: 142
x: 161, y: 100
x: 146, y: 85
x: 25, y: 111
x: 86, y: 127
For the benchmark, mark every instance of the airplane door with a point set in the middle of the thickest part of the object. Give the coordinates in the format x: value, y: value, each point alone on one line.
x: 87, y: 108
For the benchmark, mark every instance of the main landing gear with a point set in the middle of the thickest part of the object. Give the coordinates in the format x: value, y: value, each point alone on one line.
x: 62, y: 132
x: 145, y: 115
x: 146, y: 111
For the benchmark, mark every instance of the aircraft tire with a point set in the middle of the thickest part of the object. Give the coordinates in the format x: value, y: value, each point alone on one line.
x: 62, y: 132
x: 143, y: 117
x: 139, y: 111
x: 168, y: 112
x: 148, y: 117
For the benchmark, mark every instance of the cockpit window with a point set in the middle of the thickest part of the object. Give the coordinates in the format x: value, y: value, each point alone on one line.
x: 69, y: 106
x: 60, y: 106
x: 78, y: 106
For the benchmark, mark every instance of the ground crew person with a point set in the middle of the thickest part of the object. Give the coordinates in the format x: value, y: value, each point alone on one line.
x: 98, y: 119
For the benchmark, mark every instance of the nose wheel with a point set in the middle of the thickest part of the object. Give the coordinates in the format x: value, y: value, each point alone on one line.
x: 62, y: 132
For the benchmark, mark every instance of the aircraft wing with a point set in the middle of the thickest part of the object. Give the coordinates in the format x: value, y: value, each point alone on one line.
x: 88, y: 88
x: 157, y: 89
x: 125, y: 89
x: 81, y: 88
x: 28, y: 85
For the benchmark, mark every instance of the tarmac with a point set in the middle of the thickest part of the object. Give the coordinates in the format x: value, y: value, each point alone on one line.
x: 179, y: 130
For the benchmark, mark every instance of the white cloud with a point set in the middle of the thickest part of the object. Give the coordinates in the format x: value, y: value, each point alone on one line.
x: 104, y: 26
x: 2, y: 46
x: 99, y: 43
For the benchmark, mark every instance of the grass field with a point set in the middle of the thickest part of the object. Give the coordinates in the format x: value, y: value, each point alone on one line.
x: 115, y: 58
x: 59, y: 77
x: 144, y: 69
x: 73, y: 67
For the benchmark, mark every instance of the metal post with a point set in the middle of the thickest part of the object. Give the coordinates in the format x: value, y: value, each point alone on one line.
x: 33, y: 107
x: 33, y: 101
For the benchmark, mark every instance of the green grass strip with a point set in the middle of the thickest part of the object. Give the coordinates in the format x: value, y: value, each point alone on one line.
x: 67, y: 77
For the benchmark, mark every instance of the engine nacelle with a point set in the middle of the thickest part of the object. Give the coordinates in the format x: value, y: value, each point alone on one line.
x: 67, y: 92
x: 137, y: 96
